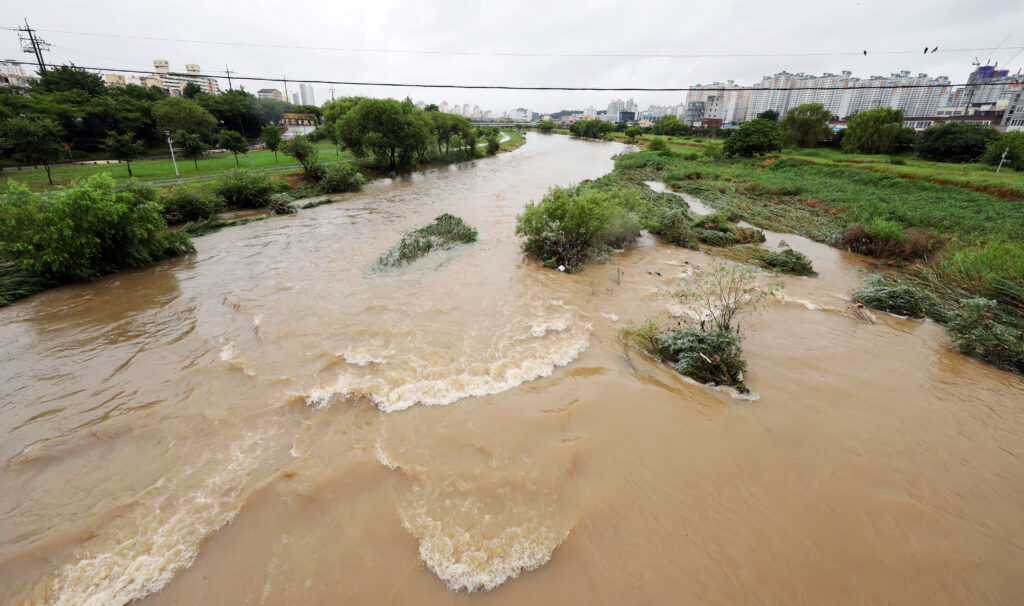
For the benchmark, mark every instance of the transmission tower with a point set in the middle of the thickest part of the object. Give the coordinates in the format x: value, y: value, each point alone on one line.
x: 32, y: 43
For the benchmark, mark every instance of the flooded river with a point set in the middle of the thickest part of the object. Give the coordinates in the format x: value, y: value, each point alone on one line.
x: 273, y: 421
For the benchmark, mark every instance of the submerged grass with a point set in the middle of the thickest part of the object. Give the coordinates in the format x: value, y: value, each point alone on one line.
x: 953, y: 234
x: 446, y: 231
x: 16, y: 283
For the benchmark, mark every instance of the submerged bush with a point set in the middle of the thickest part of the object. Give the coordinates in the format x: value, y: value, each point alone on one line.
x: 623, y: 229
x: 281, y: 204
x: 568, y: 226
x: 713, y: 356
x: 90, y: 230
x: 887, y: 239
x: 789, y: 261
x: 748, y: 235
x: 715, y: 237
x: 245, y: 189
x: 187, y: 203
x: 338, y: 178
x: 674, y: 226
x: 892, y: 297
x: 446, y: 231
x: 979, y: 329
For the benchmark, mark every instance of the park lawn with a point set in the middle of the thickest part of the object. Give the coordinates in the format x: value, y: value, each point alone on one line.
x: 160, y: 169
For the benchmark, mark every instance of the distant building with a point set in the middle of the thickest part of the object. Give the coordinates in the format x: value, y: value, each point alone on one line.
x: 269, y: 93
x: 1013, y: 117
x: 306, y: 94
x: 13, y: 74
x: 175, y: 82
x: 295, y: 99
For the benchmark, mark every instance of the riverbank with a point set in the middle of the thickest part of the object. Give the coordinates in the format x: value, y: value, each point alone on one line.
x: 17, y: 283
x: 952, y: 243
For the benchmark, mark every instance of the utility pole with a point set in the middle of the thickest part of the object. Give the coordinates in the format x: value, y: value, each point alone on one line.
x: 30, y: 43
x: 227, y: 70
x: 1002, y: 158
x: 171, y: 146
x: 332, y: 92
x: 287, y: 99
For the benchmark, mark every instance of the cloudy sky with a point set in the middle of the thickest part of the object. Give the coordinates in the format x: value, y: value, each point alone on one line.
x: 797, y: 36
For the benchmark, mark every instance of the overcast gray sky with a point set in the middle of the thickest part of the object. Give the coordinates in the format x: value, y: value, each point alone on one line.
x: 610, y: 27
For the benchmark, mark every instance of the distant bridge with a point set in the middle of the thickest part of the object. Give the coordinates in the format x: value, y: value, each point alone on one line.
x: 504, y: 124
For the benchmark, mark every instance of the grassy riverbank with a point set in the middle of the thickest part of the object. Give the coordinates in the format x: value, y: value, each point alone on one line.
x: 160, y: 169
x: 951, y: 242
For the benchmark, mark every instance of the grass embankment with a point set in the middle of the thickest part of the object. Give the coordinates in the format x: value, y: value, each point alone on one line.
x: 952, y: 243
x: 160, y: 169
x: 445, y: 232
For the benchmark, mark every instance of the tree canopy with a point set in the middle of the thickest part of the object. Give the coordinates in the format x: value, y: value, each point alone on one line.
x: 124, y: 148
x: 759, y: 136
x: 180, y: 114
x: 806, y: 125
x: 671, y: 125
x: 591, y: 129
x: 769, y: 114
x: 955, y: 142
x: 393, y: 131
x: 36, y: 140
x: 875, y: 131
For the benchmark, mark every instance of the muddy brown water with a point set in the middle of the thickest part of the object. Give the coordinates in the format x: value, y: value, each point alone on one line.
x: 273, y: 421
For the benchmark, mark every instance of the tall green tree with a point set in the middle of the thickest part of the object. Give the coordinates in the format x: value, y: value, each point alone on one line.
x: 391, y: 130
x: 546, y: 126
x: 190, y: 90
x: 591, y: 129
x: 302, y: 150
x: 875, y: 131
x: 955, y: 142
x: 180, y: 114
x: 34, y: 139
x: 124, y: 148
x: 68, y: 78
x: 806, y: 125
x: 234, y: 143
x: 192, y: 146
x: 633, y: 132
x: 1010, y: 143
x: 271, y: 136
x: 671, y: 125
x: 759, y: 136
x: 768, y: 114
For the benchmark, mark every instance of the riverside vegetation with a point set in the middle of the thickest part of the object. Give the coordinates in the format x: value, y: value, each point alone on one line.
x: 445, y: 232
x: 959, y: 249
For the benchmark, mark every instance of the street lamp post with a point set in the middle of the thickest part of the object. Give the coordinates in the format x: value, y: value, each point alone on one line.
x: 171, y: 146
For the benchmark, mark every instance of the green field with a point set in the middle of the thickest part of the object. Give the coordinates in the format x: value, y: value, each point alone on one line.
x: 160, y: 169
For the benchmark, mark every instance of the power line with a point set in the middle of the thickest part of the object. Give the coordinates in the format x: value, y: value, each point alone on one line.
x: 562, y: 88
x: 517, y: 54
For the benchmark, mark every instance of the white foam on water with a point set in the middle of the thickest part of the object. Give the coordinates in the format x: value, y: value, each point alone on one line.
x: 360, y: 358
x: 612, y: 317
x: 229, y: 354
x: 158, y: 536
x: 549, y: 343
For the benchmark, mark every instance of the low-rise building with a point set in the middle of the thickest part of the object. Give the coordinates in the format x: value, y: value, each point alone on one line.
x: 270, y: 93
x: 13, y: 74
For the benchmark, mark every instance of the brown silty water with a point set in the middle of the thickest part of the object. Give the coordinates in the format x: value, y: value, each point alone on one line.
x: 274, y: 421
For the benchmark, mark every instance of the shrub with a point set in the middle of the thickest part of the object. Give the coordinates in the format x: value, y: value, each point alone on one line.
x: 339, y: 178
x: 89, y: 230
x: 281, y: 204
x: 673, y: 225
x: 644, y: 337
x: 187, y: 203
x: 758, y: 136
x: 715, y: 237
x: 955, y: 142
x: 788, y: 261
x: 623, y: 229
x: 712, y: 151
x: 1012, y: 144
x: 243, y: 189
x: 713, y: 356
x: 979, y: 329
x: 657, y: 144
x: 567, y: 227
x: 493, y: 145
x: 891, y: 296
x: 718, y: 221
x: 720, y: 292
x: 887, y: 239
x: 302, y: 150
x: 446, y: 231
x: 748, y: 235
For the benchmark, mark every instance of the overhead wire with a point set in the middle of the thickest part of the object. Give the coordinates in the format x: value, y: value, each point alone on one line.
x: 514, y: 87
